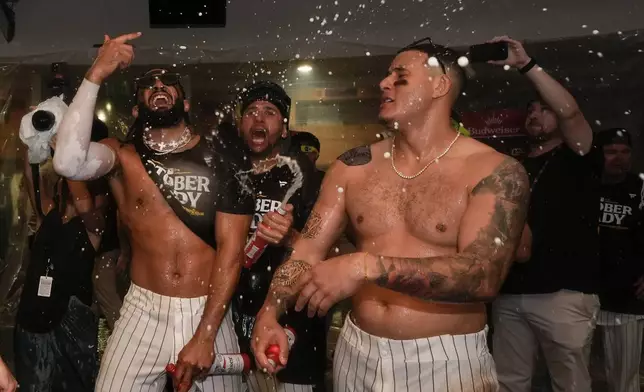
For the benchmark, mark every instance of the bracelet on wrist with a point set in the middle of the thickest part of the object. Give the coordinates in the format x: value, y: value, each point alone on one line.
x: 526, y: 68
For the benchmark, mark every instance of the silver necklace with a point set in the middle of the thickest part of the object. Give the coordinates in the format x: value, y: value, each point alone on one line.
x: 393, y: 147
x: 163, y: 148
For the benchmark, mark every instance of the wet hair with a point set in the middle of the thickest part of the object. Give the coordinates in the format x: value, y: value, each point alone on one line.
x: 540, y: 101
x: 447, y: 59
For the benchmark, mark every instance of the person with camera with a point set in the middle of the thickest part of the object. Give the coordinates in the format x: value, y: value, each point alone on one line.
x: 56, y: 330
x: 183, y: 200
x: 549, y: 300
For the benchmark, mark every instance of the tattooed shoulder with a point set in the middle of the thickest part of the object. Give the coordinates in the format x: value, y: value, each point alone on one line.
x: 508, y: 180
x: 357, y: 156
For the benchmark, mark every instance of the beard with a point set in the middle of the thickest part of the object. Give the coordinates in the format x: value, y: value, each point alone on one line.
x: 162, y: 118
x: 543, y: 137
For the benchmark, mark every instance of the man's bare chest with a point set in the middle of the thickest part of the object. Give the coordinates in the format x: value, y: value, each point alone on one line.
x: 136, y: 194
x: 429, y: 208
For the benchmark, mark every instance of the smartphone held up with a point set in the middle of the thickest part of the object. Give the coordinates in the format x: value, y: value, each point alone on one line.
x: 482, y: 53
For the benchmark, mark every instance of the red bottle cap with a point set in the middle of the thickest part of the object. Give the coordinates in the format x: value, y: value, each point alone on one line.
x: 170, y: 368
x: 273, y: 353
x: 247, y: 363
x: 291, y: 329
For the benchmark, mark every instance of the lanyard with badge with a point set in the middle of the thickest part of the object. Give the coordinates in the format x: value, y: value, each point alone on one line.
x: 46, y: 281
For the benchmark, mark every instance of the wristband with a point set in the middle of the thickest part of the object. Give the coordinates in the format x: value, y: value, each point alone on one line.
x: 525, y: 69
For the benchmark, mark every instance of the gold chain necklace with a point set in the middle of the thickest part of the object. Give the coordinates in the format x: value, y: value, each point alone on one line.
x: 393, y: 146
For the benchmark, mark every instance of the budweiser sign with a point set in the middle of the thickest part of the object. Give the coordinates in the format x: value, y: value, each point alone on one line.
x: 495, y: 123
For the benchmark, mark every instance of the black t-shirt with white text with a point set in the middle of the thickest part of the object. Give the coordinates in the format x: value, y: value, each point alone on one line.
x: 563, y: 218
x: 307, y: 358
x: 200, y: 182
x: 622, y: 241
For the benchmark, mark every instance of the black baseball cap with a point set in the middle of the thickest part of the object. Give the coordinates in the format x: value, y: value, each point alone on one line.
x: 269, y: 92
x: 305, y: 139
x: 613, y: 136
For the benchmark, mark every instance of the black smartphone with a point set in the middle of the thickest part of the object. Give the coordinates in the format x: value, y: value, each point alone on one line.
x: 483, y: 53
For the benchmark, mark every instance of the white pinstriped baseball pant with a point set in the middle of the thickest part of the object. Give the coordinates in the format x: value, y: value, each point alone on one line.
x: 446, y: 363
x: 149, y: 334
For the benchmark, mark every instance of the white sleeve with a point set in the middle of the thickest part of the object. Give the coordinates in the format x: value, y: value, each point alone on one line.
x: 75, y: 156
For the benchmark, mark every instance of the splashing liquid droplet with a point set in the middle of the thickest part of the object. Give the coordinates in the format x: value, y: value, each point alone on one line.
x: 463, y: 61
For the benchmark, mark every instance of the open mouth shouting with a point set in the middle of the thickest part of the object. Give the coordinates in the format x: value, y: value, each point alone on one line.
x: 160, y: 100
x: 259, y: 135
x: 258, y: 138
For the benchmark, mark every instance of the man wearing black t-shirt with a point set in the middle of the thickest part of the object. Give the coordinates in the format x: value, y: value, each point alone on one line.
x: 549, y: 300
x: 620, y: 229
x: 263, y: 126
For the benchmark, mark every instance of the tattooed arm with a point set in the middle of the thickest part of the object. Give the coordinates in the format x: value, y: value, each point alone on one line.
x: 489, y: 234
x: 324, y: 225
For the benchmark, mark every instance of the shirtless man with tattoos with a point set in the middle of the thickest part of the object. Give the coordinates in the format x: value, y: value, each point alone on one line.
x: 437, y: 219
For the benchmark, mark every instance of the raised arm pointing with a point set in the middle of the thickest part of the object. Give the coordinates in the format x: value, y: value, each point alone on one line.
x: 76, y: 157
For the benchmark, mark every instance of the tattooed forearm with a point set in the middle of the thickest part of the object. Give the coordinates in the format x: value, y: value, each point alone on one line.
x: 476, y: 272
x: 313, y: 226
x: 286, y: 276
x: 455, y: 278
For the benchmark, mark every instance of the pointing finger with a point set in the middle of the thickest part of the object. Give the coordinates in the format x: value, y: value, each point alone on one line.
x: 106, y: 38
x: 126, y: 37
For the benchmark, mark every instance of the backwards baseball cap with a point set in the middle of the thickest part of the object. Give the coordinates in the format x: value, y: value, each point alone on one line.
x: 613, y: 136
x: 269, y: 92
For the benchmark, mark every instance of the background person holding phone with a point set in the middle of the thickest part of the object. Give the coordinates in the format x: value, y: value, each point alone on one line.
x: 550, y: 300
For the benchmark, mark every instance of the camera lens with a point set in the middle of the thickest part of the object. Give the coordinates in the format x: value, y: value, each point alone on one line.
x: 43, y: 120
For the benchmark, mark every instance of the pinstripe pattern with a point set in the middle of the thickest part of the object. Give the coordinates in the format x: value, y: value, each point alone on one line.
x: 260, y: 382
x: 622, y: 335
x: 364, y: 362
x: 150, y: 333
